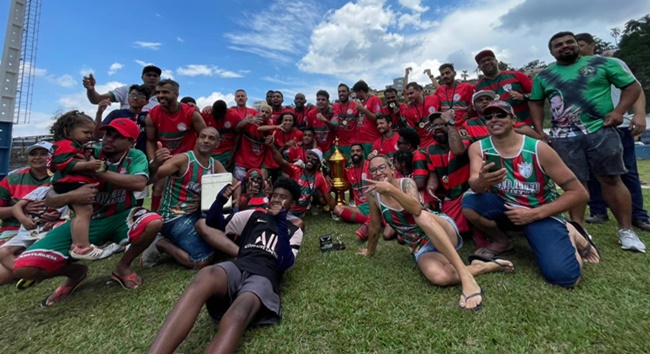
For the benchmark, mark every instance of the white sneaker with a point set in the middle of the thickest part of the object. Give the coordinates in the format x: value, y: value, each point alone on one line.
x: 151, y: 256
x: 630, y: 241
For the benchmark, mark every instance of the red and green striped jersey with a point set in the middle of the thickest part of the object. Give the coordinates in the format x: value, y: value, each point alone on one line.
x: 258, y: 201
x: 526, y: 183
x: 174, y: 130
x: 308, y: 186
x: 472, y: 130
x: 183, y: 193
x: 403, y: 223
x: 452, y: 171
x: 510, y: 81
x: 226, y: 128
x: 65, y: 155
x: 110, y: 199
x: 458, y: 98
x: 420, y: 165
x: 345, y: 118
x: 356, y: 176
x: 13, y: 188
x: 367, y: 131
x: 323, y: 135
x: 416, y: 116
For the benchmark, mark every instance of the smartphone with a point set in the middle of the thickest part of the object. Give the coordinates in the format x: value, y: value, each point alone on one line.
x: 497, y: 159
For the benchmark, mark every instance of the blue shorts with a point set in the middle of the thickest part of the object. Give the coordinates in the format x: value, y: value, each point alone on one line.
x: 548, y: 238
x: 182, y: 234
x: 429, y: 247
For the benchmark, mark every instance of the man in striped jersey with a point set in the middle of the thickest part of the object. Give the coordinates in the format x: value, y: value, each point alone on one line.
x: 181, y: 204
x: 514, y: 179
x: 115, y: 217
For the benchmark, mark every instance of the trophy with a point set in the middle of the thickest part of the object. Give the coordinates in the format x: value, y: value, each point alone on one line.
x: 340, y: 183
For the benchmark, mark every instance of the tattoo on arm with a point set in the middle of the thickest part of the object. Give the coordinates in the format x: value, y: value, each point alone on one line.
x: 411, y: 189
x: 564, y: 184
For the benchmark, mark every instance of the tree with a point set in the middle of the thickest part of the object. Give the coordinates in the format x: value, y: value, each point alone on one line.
x: 615, y: 33
x: 464, y: 75
x: 602, y: 46
x: 535, y: 64
x: 634, y: 50
x: 505, y: 66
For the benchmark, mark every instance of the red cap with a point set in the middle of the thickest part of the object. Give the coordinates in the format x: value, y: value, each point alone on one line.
x: 484, y: 54
x: 124, y: 126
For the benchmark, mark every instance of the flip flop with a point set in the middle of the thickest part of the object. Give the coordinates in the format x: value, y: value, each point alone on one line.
x: 486, y: 252
x: 590, y: 241
x: 480, y: 293
x: 24, y: 284
x: 478, y: 257
x: 129, y: 282
x: 62, y: 292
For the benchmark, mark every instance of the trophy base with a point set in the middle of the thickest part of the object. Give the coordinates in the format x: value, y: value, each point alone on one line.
x: 340, y: 197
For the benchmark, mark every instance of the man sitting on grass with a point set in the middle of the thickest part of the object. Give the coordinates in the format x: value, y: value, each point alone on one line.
x: 245, y: 290
x: 514, y: 177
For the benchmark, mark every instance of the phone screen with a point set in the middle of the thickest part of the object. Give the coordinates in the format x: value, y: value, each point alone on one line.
x: 497, y: 159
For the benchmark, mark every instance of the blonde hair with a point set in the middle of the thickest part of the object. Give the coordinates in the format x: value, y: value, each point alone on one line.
x: 267, y: 107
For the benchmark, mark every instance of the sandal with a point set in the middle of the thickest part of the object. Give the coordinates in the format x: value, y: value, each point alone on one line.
x: 129, y: 282
x: 590, y: 241
x: 503, y: 268
x: 489, y: 253
x: 24, y: 284
x: 62, y: 292
x: 467, y: 297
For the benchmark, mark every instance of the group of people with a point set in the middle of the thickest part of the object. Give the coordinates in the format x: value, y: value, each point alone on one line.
x: 469, y: 161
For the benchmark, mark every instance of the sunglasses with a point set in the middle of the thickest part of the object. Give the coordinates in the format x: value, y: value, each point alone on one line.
x: 135, y: 95
x: 499, y: 115
x: 255, y: 179
x: 380, y: 168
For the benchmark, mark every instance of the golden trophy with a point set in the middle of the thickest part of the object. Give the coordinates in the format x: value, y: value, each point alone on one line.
x: 337, y: 168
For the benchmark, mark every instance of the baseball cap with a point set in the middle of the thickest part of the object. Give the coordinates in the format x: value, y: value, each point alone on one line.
x: 40, y: 145
x: 502, y: 106
x: 434, y: 115
x: 484, y: 54
x: 151, y: 68
x: 482, y: 93
x: 254, y: 172
x: 188, y: 99
x: 124, y: 126
x: 318, y: 153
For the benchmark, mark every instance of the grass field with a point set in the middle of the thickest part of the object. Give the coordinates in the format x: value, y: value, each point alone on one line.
x: 342, y: 303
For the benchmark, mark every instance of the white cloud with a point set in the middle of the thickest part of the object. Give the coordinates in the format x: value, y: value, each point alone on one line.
x: 65, y: 80
x: 148, y: 45
x: 277, y: 32
x: 85, y: 71
x: 206, y: 70
x: 33, y: 70
x: 414, y: 5
x: 142, y: 62
x: 214, y: 96
x: 114, y: 68
x: 179, y: 39
x: 39, y: 124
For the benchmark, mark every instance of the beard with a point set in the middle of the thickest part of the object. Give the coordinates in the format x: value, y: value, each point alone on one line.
x: 569, y: 58
x: 441, y: 139
x: 356, y: 159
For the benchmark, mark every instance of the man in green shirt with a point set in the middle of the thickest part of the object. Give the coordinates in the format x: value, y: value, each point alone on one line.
x: 584, y: 122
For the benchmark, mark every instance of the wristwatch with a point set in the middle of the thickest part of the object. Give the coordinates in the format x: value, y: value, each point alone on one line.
x: 526, y: 97
x: 451, y: 122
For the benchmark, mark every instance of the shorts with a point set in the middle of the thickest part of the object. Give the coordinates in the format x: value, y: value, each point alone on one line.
x: 223, y: 158
x: 429, y: 247
x: 599, y: 153
x: 548, y: 238
x: 7, y: 234
x: 364, y: 209
x: 239, y: 172
x: 24, y: 239
x: 454, y: 209
x: 181, y: 232
x: 51, y: 252
x: 65, y: 187
x: 240, y: 282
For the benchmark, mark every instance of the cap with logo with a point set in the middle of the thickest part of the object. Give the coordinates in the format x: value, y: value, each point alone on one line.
x: 125, y: 126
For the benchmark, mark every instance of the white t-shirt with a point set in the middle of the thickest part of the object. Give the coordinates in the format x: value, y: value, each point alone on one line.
x: 616, y: 95
x: 121, y: 95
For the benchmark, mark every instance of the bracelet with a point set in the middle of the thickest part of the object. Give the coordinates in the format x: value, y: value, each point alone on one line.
x: 430, y: 76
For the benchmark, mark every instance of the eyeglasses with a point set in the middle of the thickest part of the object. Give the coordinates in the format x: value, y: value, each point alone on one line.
x: 380, y: 168
x: 255, y: 179
x: 135, y: 95
x: 499, y: 115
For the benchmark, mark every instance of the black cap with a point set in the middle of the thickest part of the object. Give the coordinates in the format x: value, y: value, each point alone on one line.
x: 188, y: 99
x: 435, y: 115
x: 151, y: 68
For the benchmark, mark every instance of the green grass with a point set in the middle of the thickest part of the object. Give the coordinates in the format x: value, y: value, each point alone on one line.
x: 342, y: 303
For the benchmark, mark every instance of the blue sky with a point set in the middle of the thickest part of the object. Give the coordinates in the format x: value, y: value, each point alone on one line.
x: 213, y: 47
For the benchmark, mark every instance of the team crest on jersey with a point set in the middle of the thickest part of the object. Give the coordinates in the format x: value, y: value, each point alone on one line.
x: 462, y: 132
x: 181, y: 127
x: 525, y: 169
x: 432, y: 110
x: 588, y: 71
x: 349, y: 111
x: 457, y: 97
x: 227, y: 125
x: 507, y: 87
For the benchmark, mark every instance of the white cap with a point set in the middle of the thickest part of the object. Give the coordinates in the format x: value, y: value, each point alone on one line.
x: 482, y: 93
x: 40, y: 145
x: 318, y: 153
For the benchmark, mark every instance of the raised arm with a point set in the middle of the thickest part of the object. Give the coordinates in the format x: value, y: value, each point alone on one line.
x: 93, y: 96
x: 98, y: 118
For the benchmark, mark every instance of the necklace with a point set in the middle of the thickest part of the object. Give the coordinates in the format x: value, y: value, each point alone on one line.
x: 451, y: 103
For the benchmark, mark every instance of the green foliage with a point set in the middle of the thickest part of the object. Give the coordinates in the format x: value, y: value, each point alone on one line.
x: 634, y: 49
x: 505, y: 66
x: 535, y: 64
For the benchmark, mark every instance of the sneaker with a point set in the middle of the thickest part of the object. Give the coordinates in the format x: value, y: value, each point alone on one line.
x: 90, y: 253
x: 109, y: 250
x: 362, y: 232
x: 630, y: 241
x: 151, y: 256
x: 597, y: 219
x: 334, y: 217
x: 641, y: 224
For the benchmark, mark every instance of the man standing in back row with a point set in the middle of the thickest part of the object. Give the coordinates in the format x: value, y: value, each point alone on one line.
x: 584, y: 122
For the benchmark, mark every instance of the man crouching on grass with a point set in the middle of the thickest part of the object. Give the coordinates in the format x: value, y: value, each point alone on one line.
x: 245, y: 290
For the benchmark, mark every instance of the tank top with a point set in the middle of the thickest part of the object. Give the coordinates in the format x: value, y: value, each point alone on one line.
x: 184, y: 192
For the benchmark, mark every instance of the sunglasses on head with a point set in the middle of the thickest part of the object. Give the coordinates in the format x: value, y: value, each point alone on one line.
x: 499, y: 115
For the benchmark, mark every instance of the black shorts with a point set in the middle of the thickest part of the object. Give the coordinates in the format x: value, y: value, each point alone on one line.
x: 240, y: 282
x: 65, y: 187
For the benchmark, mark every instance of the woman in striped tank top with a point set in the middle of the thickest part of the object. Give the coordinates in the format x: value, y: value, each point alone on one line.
x: 433, y: 237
